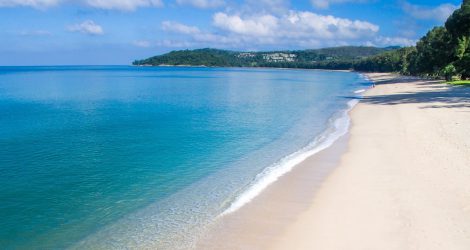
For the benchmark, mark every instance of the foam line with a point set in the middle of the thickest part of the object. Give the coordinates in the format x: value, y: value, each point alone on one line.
x: 338, y: 126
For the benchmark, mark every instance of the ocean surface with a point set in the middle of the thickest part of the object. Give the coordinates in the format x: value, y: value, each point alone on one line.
x: 106, y: 157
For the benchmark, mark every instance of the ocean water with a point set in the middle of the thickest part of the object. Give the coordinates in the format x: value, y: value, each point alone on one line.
x: 107, y: 157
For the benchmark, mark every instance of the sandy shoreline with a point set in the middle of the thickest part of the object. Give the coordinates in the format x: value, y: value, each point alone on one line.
x: 399, y: 180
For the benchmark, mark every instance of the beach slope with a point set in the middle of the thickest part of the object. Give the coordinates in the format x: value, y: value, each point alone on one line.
x: 404, y: 181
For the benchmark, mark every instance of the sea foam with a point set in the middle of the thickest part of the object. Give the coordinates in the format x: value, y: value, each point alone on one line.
x: 338, y: 126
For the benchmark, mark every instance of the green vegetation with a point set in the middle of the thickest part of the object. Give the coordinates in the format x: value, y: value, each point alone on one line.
x: 327, y: 58
x: 464, y: 83
x: 200, y: 57
x: 444, y: 52
x: 391, y: 61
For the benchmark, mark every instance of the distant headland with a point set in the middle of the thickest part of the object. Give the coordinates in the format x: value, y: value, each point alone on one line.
x: 340, y: 58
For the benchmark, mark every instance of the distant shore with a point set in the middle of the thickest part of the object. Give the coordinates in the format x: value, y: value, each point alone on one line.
x: 241, y: 67
x: 398, y: 180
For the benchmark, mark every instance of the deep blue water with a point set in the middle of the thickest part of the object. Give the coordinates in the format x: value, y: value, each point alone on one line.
x: 103, y: 157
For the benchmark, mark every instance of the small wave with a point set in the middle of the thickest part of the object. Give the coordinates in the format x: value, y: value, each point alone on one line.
x: 338, y: 126
x: 363, y: 76
x: 359, y: 91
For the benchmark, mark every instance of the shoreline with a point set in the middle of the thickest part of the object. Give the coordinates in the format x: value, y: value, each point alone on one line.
x: 324, y: 155
x: 295, y: 211
x: 117, y: 234
x: 267, y: 215
x: 403, y: 183
x: 238, y: 67
x: 338, y: 127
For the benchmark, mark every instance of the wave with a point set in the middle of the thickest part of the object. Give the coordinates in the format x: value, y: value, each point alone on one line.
x: 365, y: 77
x: 359, y: 91
x: 338, y: 126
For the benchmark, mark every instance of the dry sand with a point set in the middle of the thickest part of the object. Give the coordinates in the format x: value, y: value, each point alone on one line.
x: 402, y: 181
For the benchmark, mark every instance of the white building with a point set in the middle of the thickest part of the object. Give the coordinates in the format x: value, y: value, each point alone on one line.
x: 279, y: 57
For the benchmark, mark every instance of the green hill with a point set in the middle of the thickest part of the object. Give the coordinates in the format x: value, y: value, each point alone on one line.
x: 337, y: 58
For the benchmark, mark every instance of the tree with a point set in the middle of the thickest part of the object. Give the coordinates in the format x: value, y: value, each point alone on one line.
x: 433, y: 51
x: 390, y: 61
x: 449, y: 71
x: 458, y: 25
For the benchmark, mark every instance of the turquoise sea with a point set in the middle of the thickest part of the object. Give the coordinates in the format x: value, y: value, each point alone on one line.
x: 106, y: 157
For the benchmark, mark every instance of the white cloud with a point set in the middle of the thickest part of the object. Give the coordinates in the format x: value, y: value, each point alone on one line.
x: 175, y: 44
x: 203, y: 4
x: 439, y: 13
x: 263, y: 25
x: 39, y: 4
x: 266, y: 6
x: 125, y: 5
x: 176, y: 27
x: 392, y: 41
x: 307, y: 24
x: 295, y: 25
x: 324, y: 4
x: 87, y: 27
x: 142, y: 43
x: 35, y: 33
x: 293, y: 29
x: 195, y: 33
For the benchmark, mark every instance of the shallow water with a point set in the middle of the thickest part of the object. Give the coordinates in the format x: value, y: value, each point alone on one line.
x: 109, y: 157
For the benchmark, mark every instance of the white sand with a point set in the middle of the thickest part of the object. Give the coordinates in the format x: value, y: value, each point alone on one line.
x: 401, y: 180
x: 404, y: 182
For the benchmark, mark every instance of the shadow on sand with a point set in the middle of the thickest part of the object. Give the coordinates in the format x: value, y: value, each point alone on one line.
x: 436, y: 95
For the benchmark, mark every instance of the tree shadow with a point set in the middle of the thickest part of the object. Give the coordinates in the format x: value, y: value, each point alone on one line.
x: 402, y: 79
x: 436, y: 95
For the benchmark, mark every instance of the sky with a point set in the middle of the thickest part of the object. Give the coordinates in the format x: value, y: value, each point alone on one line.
x: 116, y: 32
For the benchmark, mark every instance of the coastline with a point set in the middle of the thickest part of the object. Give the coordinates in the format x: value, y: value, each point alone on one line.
x: 235, y: 67
x: 266, y: 217
x: 289, y: 191
x: 379, y: 187
x: 202, y: 211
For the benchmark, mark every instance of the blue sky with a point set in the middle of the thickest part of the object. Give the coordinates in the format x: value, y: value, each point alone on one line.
x: 83, y: 32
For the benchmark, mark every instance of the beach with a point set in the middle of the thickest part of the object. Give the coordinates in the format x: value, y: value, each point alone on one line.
x: 398, y: 180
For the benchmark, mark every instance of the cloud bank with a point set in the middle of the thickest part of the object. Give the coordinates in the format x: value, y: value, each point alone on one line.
x: 87, y: 27
x: 251, y: 24
x: 38, y: 4
x: 293, y: 29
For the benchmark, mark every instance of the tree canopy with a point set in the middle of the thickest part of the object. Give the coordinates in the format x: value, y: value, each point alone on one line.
x: 327, y: 58
x: 442, y: 52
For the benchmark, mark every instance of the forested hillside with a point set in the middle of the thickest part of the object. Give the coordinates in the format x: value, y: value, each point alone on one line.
x: 337, y: 58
